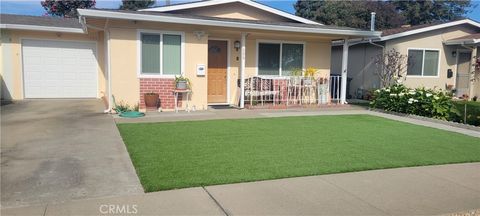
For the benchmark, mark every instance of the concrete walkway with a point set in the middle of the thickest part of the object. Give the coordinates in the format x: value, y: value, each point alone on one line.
x: 246, y: 113
x: 58, y: 150
x: 430, y: 190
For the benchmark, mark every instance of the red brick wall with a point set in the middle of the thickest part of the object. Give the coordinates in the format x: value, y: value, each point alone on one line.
x: 164, y: 88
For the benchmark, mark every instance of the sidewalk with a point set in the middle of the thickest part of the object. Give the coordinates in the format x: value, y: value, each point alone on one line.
x: 430, y: 190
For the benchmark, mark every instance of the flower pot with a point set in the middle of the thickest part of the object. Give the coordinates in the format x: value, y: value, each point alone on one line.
x: 307, y: 82
x: 181, y: 85
x: 151, y: 100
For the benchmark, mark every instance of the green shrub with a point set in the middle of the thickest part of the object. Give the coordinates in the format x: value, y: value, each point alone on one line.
x: 420, y: 101
x: 124, y: 107
x: 472, y: 114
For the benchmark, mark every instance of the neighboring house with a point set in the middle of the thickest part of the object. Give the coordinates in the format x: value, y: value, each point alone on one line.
x: 433, y: 50
x: 129, y: 53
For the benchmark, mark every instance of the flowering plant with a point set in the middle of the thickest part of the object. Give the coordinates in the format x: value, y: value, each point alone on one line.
x: 418, y: 101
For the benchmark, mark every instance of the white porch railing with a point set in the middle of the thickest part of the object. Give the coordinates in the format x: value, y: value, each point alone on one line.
x: 291, y: 90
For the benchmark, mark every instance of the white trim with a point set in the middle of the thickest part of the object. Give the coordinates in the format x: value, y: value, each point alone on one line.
x: 41, y: 28
x: 218, y: 2
x: 22, y: 77
x: 228, y: 67
x: 139, y: 53
x: 243, y: 42
x: 223, y: 23
x: 462, y: 41
x: 430, y: 28
x: 280, y: 42
x: 344, y: 77
x: 423, y: 62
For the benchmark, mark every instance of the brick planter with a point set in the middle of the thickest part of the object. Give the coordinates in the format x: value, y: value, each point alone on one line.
x: 163, y: 87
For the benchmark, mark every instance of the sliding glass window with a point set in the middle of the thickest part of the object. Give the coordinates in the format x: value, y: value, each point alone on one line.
x: 279, y: 58
x: 161, y: 54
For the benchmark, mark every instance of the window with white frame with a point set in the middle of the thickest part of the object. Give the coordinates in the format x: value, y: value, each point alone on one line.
x: 423, y: 62
x: 279, y: 58
x: 161, y: 53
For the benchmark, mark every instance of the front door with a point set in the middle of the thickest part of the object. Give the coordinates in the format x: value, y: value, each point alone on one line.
x: 217, y: 71
x: 463, y: 73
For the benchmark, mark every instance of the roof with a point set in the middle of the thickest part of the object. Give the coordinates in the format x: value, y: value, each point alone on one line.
x: 224, y: 22
x: 40, y: 23
x: 394, y: 33
x: 468, y: 39
x: 406, y: 31
x: 197, y: 4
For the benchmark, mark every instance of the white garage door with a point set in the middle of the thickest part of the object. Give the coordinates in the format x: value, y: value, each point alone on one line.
x: 59, y: 69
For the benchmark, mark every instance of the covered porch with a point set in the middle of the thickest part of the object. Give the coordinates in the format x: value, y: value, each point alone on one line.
x: 240, y: 63
x: 276, y: 70
x: 466, y: 52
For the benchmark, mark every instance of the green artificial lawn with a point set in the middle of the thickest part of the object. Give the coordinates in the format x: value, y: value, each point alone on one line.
x: 197, y: 153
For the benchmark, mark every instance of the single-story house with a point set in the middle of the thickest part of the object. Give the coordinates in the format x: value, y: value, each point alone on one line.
x: 441, y: 55
x: 215, y: 44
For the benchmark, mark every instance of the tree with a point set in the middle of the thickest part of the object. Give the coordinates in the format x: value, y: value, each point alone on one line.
x: 390, y: 14
x: 66, y: 8
x: 391, y: 67
x: 136, y: 4
x: 355, y: 14
x: 422, y: 12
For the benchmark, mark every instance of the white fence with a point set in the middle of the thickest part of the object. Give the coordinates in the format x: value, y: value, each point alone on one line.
x: 291, y: 90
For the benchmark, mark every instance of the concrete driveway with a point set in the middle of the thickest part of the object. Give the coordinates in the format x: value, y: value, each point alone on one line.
x: 60, y: 150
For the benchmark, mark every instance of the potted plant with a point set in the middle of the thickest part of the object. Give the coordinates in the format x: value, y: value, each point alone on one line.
x: 182, y: 83
x: 151, y: 99
x: 309, y: 76
x: 295, y: 76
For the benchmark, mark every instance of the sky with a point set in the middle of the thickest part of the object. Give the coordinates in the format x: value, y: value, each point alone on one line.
x: 32, y: 7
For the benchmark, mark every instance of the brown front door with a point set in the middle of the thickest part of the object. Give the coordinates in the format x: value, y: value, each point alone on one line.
x: 217, y: 71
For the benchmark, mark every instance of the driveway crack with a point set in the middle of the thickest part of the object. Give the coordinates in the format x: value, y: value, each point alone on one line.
x: 216, y: 201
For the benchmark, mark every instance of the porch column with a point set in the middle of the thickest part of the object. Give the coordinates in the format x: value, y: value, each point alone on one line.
x: 473, y: 84
x: 343, y: 90
x: 242, y: 70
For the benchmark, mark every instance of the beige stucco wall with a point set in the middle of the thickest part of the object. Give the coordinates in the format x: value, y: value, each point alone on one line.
x: 434, y: 40
x: 12, y: 57
x: 124, y: 59
x: 235, y: 11
x: 362, y: 71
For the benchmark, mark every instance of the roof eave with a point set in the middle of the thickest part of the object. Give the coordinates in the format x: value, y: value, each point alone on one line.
x: 41, y: 28
x: 462, y: 42
x: 430, y: 28
x: 221, y: 23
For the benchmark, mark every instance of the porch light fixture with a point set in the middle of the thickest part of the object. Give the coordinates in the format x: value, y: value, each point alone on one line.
x: 454, y: 54
x: 236, y: 44
x: 199, y: 34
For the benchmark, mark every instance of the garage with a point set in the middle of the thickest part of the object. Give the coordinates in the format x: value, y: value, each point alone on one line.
x: 59, y: 69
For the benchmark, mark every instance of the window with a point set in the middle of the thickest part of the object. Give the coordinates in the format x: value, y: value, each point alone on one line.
x: 161, y: 54
x: 279, y: 58
x: 423, y: 62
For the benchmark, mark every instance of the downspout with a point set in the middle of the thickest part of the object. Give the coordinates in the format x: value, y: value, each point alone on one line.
x: 85, y: 27
x: 109, y: 72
